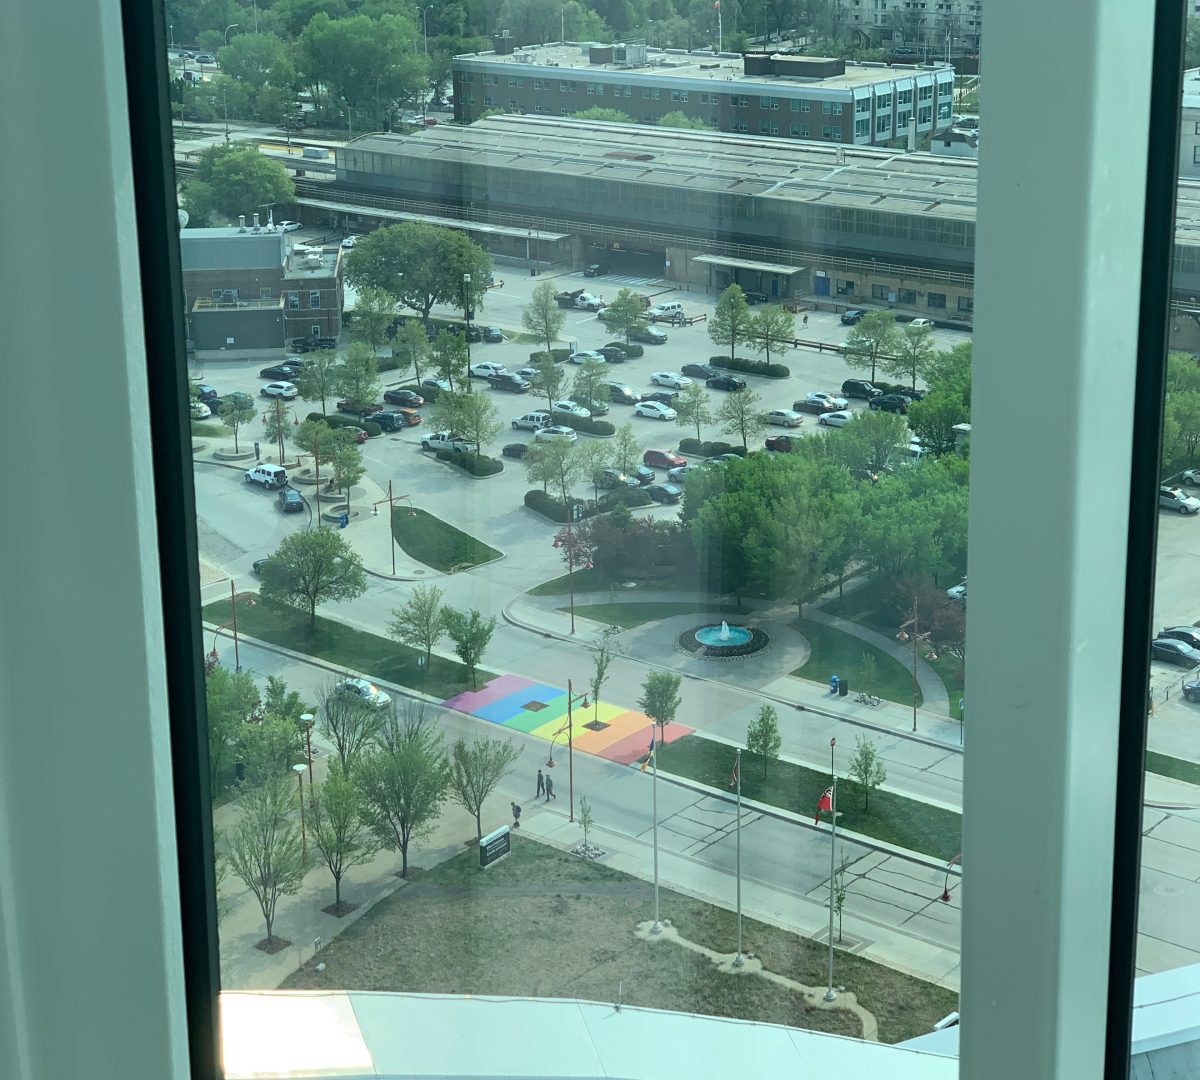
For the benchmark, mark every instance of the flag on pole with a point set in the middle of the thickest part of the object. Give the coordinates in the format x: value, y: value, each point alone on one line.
x: 733, y: 777
x: 717, y: 5
x: 825, y: 803
x: 649, y: 756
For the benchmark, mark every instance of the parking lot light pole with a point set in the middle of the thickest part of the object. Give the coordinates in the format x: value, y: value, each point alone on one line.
x: 307, y: 720
x: 391, y: 501
x: 299, y: 771
x: 914, y: 635
x: 467, y: 314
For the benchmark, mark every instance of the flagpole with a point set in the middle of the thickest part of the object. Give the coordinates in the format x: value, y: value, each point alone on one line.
x: 738, y: 960
x: 829, y: 994
x: 657, y: 927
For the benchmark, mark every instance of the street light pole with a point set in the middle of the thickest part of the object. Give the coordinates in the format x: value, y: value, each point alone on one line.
x: 237, y: 663
x: 467, y: 314
x: 299, y: 771
x: 829, y: 991
x: 307, y: 720
x: 227, y: 29
x: 571, y: 697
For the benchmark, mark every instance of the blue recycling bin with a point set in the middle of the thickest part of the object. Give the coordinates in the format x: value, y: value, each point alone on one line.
x: 833, y: 683
x: 343, y: 520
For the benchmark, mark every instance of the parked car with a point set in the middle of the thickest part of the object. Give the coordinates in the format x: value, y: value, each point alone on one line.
x: 820, y: 401
x: 256, y: 568
x: 349, y: 241
x: 892, y: 403
x: 516, y: 450
x: 279, y: 371
x: 613, y: 354
x: 860, y: 388
x: 556, y: 433
x: 571, y: 408
x: 474, y: 334
x: 958, y: 592
x: 487, y: 369
x: 398, y: 420
x: 290, y: 500
x: 663, y: 397
x: 614, y: 478
x: 354, y: 408
x: 780, y: 444
x: 679, y: 474
x: 208, y: 58
x: 359, y: 435
x: 1170, y: 651
x: 1174, y: 498
x: 508, y: 381
x: 531, y: 421
x: 363, y: 691
x: 207, y: 393
x: 629, y: 348
x: 285, y: 390
x: 408, y: 398
x: 492, y: 334
x: 911, y: 394
x: 785, y: 417
x: 670, y: 378
x: 699, y: 371
x: 654, y: 410
x: 445, y: 440
x: 586, y: 354
x: 839, y: 418
x: 920, y: 323
x: 1191, y: 691
x: 849, y: 318
x: 622, y: 394
x: 722, y: 459
x: 1192, y: 476
x: 664, y: 493
x: 649, y: 335
x: 200, y: 411
x: 753, y: 298
x: 725, y: 382
x: 596, y: 269
x: 663, y: 459
x: 436, y: 385
x: 1189, y: 635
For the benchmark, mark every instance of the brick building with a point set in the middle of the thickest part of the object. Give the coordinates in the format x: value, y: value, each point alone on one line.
x: 797, y: 97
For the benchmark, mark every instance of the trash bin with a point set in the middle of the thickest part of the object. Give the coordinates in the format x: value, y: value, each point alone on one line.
x: 343, y: 520
x: 843, y: 688
x: 833, y: 684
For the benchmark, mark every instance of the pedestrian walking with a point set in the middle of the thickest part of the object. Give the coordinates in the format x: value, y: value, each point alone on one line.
x: 541, y: 790
x: 516, y: 816
x: 550, y: 789
x: 805, y: 322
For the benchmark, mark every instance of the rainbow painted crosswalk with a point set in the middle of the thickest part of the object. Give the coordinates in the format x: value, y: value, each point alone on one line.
x: 520, y: 704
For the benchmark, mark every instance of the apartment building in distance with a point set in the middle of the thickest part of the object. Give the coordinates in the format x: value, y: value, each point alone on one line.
x: 935, y: 24
x: 797, y: 97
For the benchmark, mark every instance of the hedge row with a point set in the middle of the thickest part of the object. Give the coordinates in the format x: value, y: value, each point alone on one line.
x: 475, y: 464
x: 708, y: 449
x: 628, y: 496
x: 751, y: 367
x: 579, y: 423
x: 554, y: 509
x: 557, y: 355
x: 889, y: 387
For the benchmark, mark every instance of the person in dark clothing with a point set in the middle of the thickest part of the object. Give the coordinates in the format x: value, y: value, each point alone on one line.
x: 516, y: 816
x: 805, y: 322
x: 541, y: 788
x: 550, y: 789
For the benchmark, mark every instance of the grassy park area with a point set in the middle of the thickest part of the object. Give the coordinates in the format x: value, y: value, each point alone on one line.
x: 543, y: 923
x: 433, y: 542
x: 835, y: 652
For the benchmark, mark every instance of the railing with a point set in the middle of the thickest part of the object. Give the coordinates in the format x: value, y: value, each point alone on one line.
x: 204, y: 304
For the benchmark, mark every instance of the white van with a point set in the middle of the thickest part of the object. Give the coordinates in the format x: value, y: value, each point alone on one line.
x: 270, y: 476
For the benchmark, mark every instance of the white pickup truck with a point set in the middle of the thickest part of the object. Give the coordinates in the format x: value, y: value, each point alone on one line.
x: 445, y: 440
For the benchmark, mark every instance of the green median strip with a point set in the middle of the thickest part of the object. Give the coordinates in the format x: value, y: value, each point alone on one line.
x: 344, y: 646
x: 894, y: 819
x: 1176, y: 768
x: 433, y: 542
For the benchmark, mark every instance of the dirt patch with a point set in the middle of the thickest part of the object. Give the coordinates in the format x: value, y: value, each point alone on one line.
x: 340, y: 911
x: 276, y: 944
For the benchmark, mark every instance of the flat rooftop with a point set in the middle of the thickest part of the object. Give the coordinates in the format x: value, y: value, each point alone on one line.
x: 675, y: 64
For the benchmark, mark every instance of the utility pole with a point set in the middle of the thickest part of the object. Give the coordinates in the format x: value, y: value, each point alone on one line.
x: 830, y: 995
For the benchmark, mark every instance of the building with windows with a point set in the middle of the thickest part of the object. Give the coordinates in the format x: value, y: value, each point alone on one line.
x: 789, y: 97
x: 956, y: 23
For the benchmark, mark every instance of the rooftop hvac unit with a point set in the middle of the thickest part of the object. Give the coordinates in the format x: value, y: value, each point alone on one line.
x: 301, y: 251
x: 523, y: 58
x: 313, y: 261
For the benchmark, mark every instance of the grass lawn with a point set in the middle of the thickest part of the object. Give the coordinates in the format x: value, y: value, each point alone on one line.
x: 634, y: 614
x: 908, y: 823
x: 835, y: 652
x: 433, y: 542
x: 545, y: 924
x: 950, y: 668
x: 210, y: 431
x: 336, y: 643
x: 1176, y: 768
x: 594, y: 581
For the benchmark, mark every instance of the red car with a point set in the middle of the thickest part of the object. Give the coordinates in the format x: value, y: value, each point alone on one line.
x: 354, y: 409
x: 781, y: 444
x: 662, y: 459
x: 360, y: 435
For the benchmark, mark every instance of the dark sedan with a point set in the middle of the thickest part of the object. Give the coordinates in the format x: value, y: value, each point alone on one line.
x: 623, y: 395
x: 725, y: 382
x: 1170, y: 651
x: 355, y: 408
x: 1189, y: 635
x: 664, y: 397
x: 614, y: 354
x: 276, y: 372
x: 892, y: 403
x: 492, y: 334
x: 614, y: 478
x: 664, y: 493
x: 514, y: 384
x: 849, y: 318
x: 595, y: 270
x: 290, y: 500
x: 698, y: 371
x: 408, y: 398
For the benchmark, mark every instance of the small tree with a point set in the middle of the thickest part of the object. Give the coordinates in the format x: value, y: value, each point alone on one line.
x: 348, y: 721
x: 602, y: 660
x: 625, y: 314
x: 312, y: 568
x: 867, y: 670
x: 317, y: 439
x: 840, y: 891
x: 265, y: 850
x: 626, y: 450
x: 473, y: 416
x: 730, y: 322
x: 693, y: 408
x: 589, y: 386
x: 740, y: 414
x: 475, y: 771
x: 420, y: 622
x: 373, y: 316
x: 448, y: 355
x: 338, y: 829
x: 237, y: 409
x: 763, y: 738
x: 555, y: 463
x: 269, y: 745
x: 585, y: 820
x: 357, y: 379
x: 542, y: 318
x: 471, y: 634
x: 660, y: 698
x: 345, y: 463
x: 595, y: 455
x: 231, y: 699
x: 412, y: 344
x: 547, y: 378
x: 873, y: 336
x: 866, y: 767
x: 405, y: 783
x: 771, y: 327
x: 277, y: 424
x: 319, y: 379
x: 912, y: 355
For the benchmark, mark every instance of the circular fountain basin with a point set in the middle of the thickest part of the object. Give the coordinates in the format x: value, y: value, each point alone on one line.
x: 715, y: 642
x: 717, y: 637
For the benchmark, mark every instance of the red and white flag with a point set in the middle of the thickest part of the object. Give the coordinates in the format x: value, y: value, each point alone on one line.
x: 717, y: 5
x: 733, y: 777
x: 825, y: 803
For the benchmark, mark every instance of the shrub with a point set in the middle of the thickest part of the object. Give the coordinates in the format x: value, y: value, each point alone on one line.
x: 335, y: 420
x: 386, y: 363
x: 631, y: 349
x: 889, y: 387
x: 579, y: 423
x: 475, y: 464
x: 751, y: 367
x: 559, y: 356
x: 708, y: 449
x: 371, y: 428
x: 429, y: 393
x: 315, y: 416
x: 552, y: 508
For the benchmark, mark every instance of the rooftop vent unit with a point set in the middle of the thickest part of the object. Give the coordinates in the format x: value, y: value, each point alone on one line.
x: 600, y: 54
x: 503, y: 44
x: 312, y: 261
x: 524, y: 57
x: 630, y: 55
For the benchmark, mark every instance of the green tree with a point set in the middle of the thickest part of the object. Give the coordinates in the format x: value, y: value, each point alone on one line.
x: 601, y: 661
x: 318, y: 380
x: 420, y: 623
x: 1183, y: 373
x: 625, y: 314
x: 547, y: 378
x: 542, y: 318
x: 231, y: 698
x: 679, y: 119
x: 740, y: 413
x: 535, y: 21
x: 476, y: 769
x: 312, y: 568
x: 317, y: 439
x: 763, y: 738
x: 589, y: 386
x: 269, y: 747
x: 626, y: 450
x: 346, y: 466
x: 731, y: 320
x: 421, y: 265
x: 1191, y: 51
x: 873, y: 336
x: 412, y: 343
x: 277, y: 424
x: 609, y: 116
x: 693, y: 408
x: 595, y: 455
x: 405, y: 783
x: 866, y: 767
x: 586, y: 821
x: 265, y: 850
x: 660, y: 698
x: 471, y: 634
x: 233, y: 179
x: 840, y: 891
x: 448, y: 357
x: 913, y: 352
x: 933, y: 420
x: 348, y: 721
x: 373, y: 316
x: 259, y: 60
x: 473, y: 416
x: 237, y: 409
x: 771, y: 327
x: 339, y: 830
x: 556, y: 463
x: 868, y: 669
x: 1183, y: 412
x: 357, y: 377
x: 874, y: 442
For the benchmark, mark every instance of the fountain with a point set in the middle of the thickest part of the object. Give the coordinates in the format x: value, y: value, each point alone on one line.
x: 722, y: 642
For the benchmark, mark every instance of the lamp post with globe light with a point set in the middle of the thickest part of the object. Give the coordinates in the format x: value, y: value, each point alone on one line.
x: 915, y: 636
